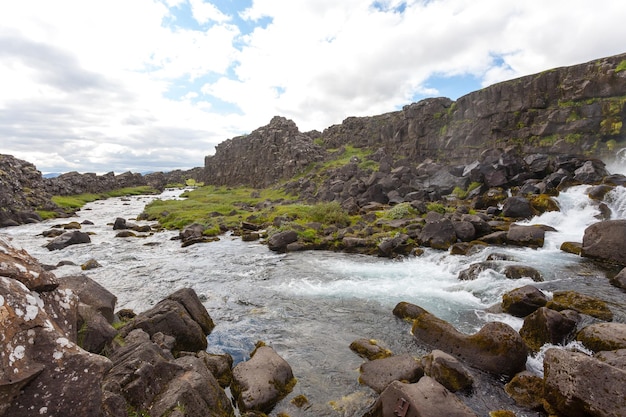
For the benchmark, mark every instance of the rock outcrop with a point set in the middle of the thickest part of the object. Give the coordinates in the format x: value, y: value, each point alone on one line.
x: 569, y: 110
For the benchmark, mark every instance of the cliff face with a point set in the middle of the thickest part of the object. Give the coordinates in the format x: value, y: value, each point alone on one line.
x: 270, y: 153
x: 574, y: 110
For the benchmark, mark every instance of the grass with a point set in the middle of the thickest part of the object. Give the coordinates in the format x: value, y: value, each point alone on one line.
x: 77, y: 201
x: 621, y: 66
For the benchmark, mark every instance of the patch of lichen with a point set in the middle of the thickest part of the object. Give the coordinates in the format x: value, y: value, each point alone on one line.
x: 594, y: 307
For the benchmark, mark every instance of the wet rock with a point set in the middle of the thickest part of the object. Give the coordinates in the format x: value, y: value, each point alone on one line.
x: 120, y: 224
x: 605, y: 241
x: 472, y: 272
x: 599, y: 191
x: 615, y: 358
x: 67, y: 239
x: 546, y: 326
x: 465, y: 231
x: 619, y: 280
x: 447, y: 370
x: 90, y: 264
x: 425, y: 398
x: 125, y: 233
x: 530, y: 236
x: 603, y: 336
x: 379, y: 373
x: 262, y: 381
x: 572, y: 247
x: 580, y: 385
x: 572, y: 300
x: 522, y: 271
x: 278, y: 242
x: 591, y: 172
x: 496, y: 348
x: 526, y: 389
x: 369, y: 349
x: 523, y: 301
x: 219, y: 365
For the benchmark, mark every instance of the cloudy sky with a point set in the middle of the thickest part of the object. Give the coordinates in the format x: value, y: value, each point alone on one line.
x: 143, y: 85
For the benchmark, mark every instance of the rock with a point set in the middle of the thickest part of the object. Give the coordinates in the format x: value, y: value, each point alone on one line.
x: 369, y: 349
x: 220, y: 366
x: 522, y: 271
x: 546, y: 326
x: 69, y: 238
x: 599, y: 191
x: 496, y: 348
x: 591, y: 172
x: 193, y: 392
x: 465, y: 231
x: 19, y: 265
x: 189, y: 299
x: 603, y: 336
x: 72, y: 226
x: 125, y: 233
x: 39, y: 362
x: 571, y: 300
x: 531, y: 236
x: 522, y: 301
x: 447, y: 370
x: 379, y: 373
x: 517, y: 207
x: 91, y: 293
x: 572, y: 247
x: 192, y: 232
x: 578, y: 385
x: 619, y: 280
x: 426, y: 398
x: 526, y: 389
x: 94, y: 331
x: 278, y: 242
x: 606, y: 241
x: 262, y: 381
x: 438, y: 235
x: 472, y: 272
x: 615, y: 358
x: 171, y: 317
x: 90, y: 264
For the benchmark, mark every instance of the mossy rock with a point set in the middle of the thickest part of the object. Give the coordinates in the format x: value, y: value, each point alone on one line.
x: 572, y: 300
x: 526, y: 389
x: 542, y: 203
x: 572, y: 247
x: 603, y: 336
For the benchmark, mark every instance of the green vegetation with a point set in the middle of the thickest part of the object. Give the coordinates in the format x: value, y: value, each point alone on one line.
x: 400, y: 211
x: 621, y: 66
x: 346, y: 156
x: 77, y: 201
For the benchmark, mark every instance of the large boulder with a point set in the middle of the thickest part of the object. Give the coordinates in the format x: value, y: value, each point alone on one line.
x: 619, y: 280
x: 526, y: 389
x: 496, y: 348
x: 19, y: 265
x: 426, y: 398
x: 531, y: 236
x: 278, y: 242
x: 578, y: 385
x: 517, y: 207
x: 379, y: 373
x: 181, y: 316
x: 606, y: 241
x: 262, y: 381
x: 75, y: 237
x: 522, y: 271
x: 439, y: 234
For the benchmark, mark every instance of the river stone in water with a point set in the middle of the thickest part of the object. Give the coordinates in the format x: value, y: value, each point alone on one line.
x: 69, y: 238
x: 572, y: 300
x: 580, y: 385
x: 447, y: 370
x: 522, y: 301
x: 527, y: 390
x: 379, y: 373
x: 546, y: 326
x: 531, y: 236
x: 279, y: 241
x: 262, y: 381
x: 497, y: 348
x: 619, y: 280
x: 603, y: 336
x: 426, y: 398
x: 522, y: 271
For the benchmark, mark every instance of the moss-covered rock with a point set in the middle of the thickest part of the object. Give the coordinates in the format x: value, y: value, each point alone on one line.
x: 603, y: 336
x: 572, y: 300
x: 546, y: 326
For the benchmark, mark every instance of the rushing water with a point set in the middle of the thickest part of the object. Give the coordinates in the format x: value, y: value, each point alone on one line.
x: 310, y: 306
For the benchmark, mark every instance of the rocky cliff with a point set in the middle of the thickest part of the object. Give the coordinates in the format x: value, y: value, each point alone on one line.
x: 568, y: 110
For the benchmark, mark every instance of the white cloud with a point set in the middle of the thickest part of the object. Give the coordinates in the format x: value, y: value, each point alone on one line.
x: 113, y: 85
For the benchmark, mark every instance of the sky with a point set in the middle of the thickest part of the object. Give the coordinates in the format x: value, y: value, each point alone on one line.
x: 155, y: 85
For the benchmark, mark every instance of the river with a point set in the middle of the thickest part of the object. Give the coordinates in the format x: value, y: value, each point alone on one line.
x: 309, y: 306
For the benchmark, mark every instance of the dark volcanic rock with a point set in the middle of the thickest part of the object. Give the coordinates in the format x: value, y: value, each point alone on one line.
x: 279, y: 241
x: 546, y: 326
x: 521, y: 302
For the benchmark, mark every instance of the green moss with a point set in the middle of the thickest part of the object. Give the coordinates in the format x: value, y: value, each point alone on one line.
x: 436, y: 207
x: 400, y: 211
x: 621, y: 66
x: 45, y: 214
